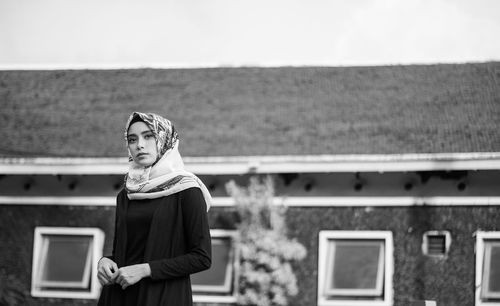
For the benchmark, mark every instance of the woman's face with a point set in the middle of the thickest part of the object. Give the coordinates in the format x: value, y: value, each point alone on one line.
x: 142, y: 144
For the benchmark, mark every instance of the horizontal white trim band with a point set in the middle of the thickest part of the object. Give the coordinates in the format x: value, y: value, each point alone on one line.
x: 213, y: 299
x: 220, y: 165
x: 287, y: 201
x: 65, y: 295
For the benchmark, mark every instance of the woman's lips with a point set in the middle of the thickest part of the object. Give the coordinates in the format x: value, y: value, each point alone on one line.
x: 142, y: 154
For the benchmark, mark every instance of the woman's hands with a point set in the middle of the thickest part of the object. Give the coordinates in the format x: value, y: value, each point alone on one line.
x: 129, y: 275
x: 106, y: 269
x: 108, y: 273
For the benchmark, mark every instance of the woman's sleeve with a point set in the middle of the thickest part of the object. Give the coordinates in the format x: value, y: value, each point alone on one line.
x: 112, y: 255
x: 198, y: 241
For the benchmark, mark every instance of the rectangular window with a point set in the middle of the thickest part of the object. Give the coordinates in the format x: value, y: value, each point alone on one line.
x: 64, y: 262
x: 218, y: 284
x: 488, y: 268
x: 355, y: 268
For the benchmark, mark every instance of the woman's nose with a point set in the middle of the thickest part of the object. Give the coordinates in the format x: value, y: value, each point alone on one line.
x: 140, y: 143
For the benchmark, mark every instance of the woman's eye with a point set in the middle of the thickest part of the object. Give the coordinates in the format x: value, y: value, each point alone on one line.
x: 131, y: 140
x: 148, y: 136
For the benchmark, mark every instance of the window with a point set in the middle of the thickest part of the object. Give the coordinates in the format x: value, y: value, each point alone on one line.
x: 64, y: 262
x: 218, y: 284
x: 488, y: 268
x: 355, y: 268
x: 436, y: 243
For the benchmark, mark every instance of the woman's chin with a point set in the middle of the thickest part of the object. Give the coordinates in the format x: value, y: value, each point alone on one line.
x: 145, y: 162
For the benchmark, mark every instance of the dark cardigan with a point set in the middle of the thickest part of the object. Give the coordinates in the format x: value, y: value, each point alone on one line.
x: 178, y: 245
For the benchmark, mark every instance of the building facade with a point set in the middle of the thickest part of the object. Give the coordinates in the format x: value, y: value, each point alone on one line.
x: 390, y: 176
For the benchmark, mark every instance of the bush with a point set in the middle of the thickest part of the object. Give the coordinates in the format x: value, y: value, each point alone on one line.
x: 266, y: 253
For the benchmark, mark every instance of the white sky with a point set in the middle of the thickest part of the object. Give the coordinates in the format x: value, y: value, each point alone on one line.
x: 206, y: 33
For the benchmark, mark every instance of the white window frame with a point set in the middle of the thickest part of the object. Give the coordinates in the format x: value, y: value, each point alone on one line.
x: 40, y: 251
x: 480, y: 262
x: 231, y: 269
x: 324, y: 266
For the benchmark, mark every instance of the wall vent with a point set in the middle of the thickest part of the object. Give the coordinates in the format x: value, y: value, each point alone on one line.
x: 436, y: 243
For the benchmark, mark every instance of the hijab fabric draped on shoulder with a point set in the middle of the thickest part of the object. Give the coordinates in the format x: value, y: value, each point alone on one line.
x: 167, y: 175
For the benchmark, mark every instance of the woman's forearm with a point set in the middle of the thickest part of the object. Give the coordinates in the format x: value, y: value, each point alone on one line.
x: 180, y: 266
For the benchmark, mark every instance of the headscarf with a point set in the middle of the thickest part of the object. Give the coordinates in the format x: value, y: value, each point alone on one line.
x: 167, y: 175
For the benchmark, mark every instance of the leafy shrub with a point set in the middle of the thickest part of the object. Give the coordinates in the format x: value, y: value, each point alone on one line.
x: 266, y: 253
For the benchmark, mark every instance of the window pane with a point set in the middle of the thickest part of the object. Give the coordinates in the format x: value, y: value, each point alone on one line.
x: 356, y: 268
x: 66, y: 259
x: 218, y: 277
x: 494, y: 269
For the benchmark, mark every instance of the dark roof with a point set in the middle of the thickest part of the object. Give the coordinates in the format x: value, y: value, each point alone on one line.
x: 257, y: 111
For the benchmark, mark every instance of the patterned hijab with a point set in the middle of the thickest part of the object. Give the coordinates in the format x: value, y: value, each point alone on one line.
x: 167, y: 175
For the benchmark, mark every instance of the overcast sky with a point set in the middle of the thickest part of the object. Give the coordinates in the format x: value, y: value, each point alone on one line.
x: 207, y: 33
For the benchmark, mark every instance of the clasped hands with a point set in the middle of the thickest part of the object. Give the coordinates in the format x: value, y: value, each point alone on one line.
x: 109, y: 273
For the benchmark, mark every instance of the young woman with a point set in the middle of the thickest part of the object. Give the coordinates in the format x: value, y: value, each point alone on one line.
x: 161, y: 226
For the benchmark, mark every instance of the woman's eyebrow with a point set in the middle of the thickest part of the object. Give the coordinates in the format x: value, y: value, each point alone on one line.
x: 142, y: 133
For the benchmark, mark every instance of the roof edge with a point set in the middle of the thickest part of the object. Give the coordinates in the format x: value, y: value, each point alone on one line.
x: 213, y: 165
x: 236, y: 65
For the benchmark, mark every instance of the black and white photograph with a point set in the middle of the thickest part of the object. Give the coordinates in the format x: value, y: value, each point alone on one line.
x: 249, y: 153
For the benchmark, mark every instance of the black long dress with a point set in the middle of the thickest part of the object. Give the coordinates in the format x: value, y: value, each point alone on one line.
x: 172, y: 235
